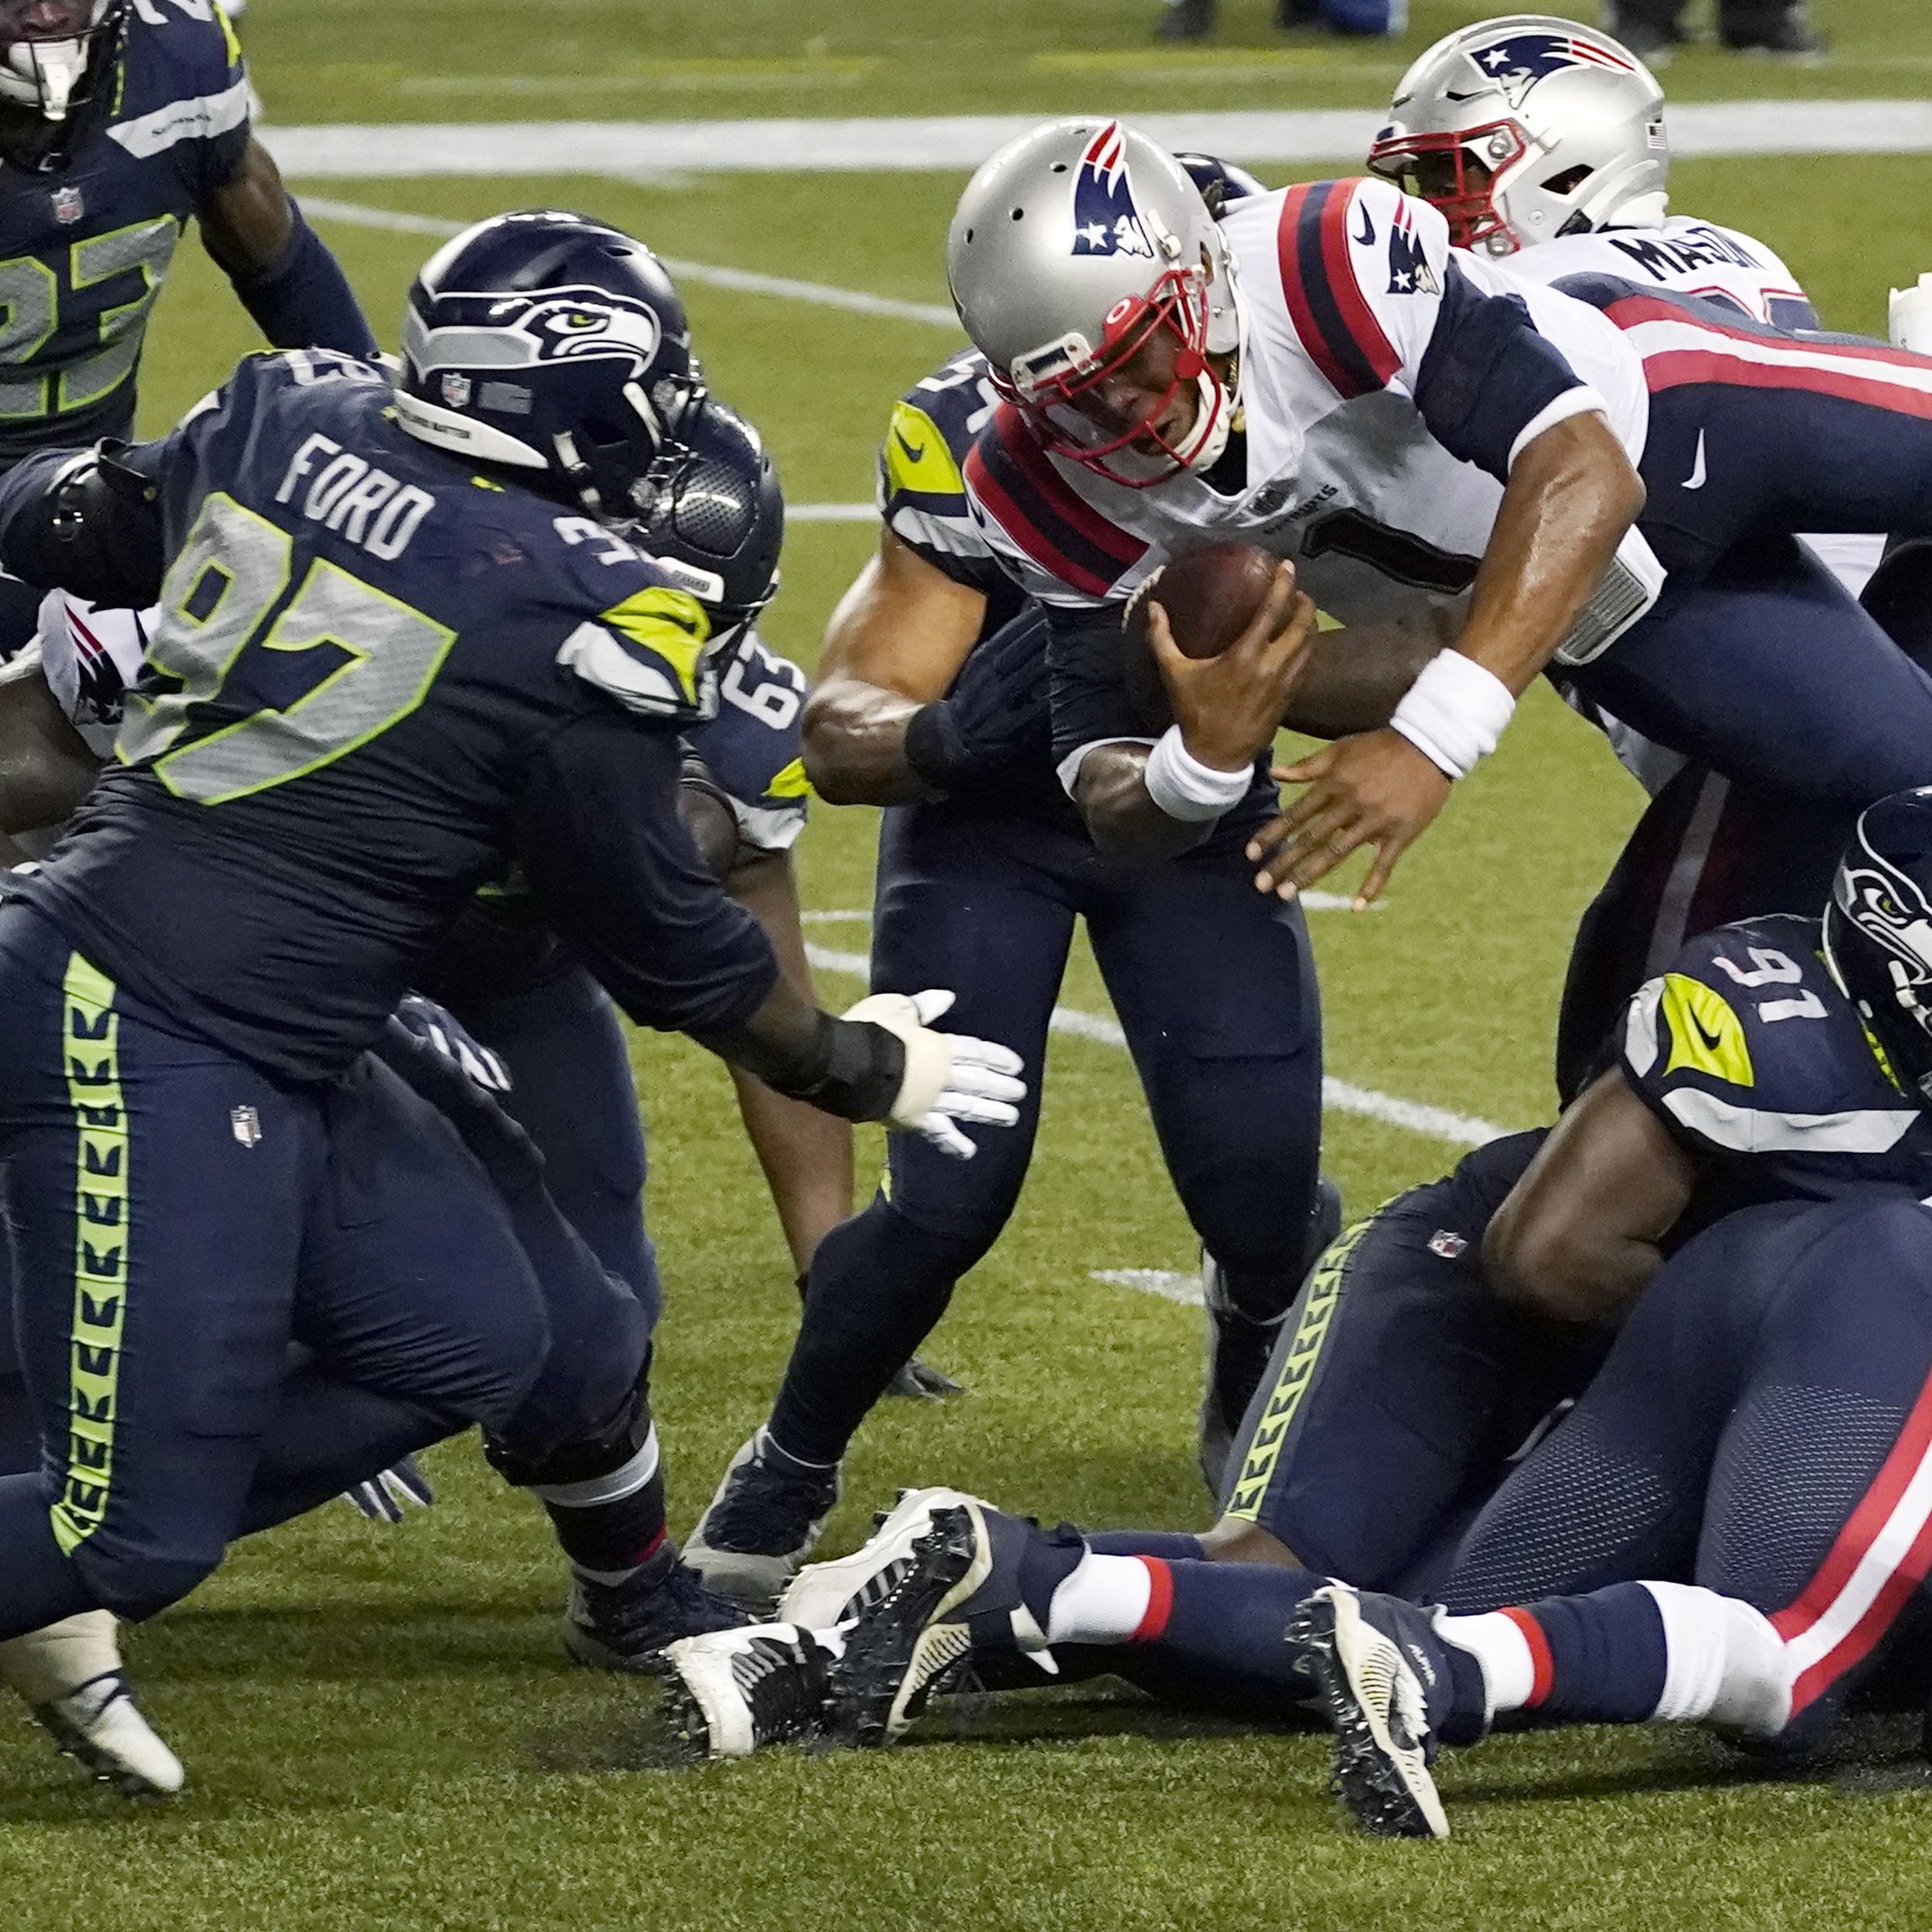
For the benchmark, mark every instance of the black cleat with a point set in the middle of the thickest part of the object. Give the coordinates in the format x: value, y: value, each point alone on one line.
x: 919, y: 1382
x: 761, y: 1524
x: 1388, y: 1685
x: 736, y: 1691
x: 629, y: 1626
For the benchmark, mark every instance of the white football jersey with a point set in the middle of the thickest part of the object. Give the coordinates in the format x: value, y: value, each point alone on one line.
x: 1366, y: 344
x: 89, y: 656
x: 1691, y: 257
x: 1686, y: 256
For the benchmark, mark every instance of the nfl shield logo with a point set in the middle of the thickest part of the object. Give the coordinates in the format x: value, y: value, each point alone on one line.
x: 247, y: 1125
x: 457, y: 390
x: 69, y: 204
x: 1446, y: 1243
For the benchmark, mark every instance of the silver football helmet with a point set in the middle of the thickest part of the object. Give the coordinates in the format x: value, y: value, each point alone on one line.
x: 1527, y: 128
x: 45, y: 47
x: 1071, y: 248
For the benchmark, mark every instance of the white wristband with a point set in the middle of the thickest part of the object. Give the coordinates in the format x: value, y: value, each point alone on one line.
x: 1454, y: 712
x: 1185, y: 788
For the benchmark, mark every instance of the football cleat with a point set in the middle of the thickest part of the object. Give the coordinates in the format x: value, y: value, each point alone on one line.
x: 735, y: 1692
x: 823, y: 1596
x: 951, y: 1576
x: 920, y: 1382
x: 71, y: 1677
x: 755, y: 1531
x: 1394, y: 1690
x: 629, y: 1626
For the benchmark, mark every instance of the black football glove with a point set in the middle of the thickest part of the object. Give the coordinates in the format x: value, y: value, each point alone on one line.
x: 994, y: 718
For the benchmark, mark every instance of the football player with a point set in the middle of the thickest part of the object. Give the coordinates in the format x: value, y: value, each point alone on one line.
x: 1320, y: 375
x: 932, y: 702
x: 1438, y: 1333
x: 403, y: 642
x: 1544, y: 144
x: 119, y: 122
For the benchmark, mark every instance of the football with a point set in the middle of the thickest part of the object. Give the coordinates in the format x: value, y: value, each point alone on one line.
x: 1210, y: 597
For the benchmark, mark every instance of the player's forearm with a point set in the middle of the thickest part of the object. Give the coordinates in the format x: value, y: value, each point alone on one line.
x: 1573, y: 495
x: 1356, y: 676
x: 79, y: 521
x: 854, y: 736
x: 1122, y: 817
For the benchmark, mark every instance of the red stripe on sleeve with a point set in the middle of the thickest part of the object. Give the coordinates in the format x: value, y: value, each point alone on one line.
x: 1287, y: 245
x: 1543, y: 1668
x: 1160, y: 1601
x: 1024, y: 532
x: 1100, y: 531
x: 1357, y: 316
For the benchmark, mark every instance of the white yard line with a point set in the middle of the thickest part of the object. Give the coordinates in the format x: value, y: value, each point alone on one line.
x: 1164, y: 1282
x: 745, y: 280
x: 891, y: 144
x: 1343, y: 1097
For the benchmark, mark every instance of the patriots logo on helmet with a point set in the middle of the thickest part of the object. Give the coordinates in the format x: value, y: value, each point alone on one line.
x: 1517, y: 64
x: 1106, y: 220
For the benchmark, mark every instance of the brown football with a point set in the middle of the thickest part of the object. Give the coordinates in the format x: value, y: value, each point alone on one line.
x: 1210, y: 597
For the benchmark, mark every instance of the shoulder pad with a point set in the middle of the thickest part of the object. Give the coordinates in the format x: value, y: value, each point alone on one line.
x: 1746, y: 1046
x: 646, y: 650
x: 922, y: 492
x: 183, y: 77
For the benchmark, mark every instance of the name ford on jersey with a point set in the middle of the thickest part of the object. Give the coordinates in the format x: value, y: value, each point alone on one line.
x: 353, y: 498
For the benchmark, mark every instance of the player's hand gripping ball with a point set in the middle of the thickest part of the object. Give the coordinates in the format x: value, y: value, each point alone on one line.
x: 1210, y: 597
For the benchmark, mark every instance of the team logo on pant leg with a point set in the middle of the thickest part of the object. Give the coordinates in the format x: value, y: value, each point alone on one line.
x: 245, y: 1123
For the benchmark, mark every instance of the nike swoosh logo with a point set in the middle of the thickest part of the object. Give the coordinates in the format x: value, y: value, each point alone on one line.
x: 1367, y: 237
x: 914, y: 452
x: 1699, y: 475
x: 1712, y: 1041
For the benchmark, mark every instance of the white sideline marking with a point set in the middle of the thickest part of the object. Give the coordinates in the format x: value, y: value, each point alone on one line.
x: 832, y: 512
x: 1459, y: 1130
x: 1170, y: 1287
x: 746, y: 281
x: 897, y: 145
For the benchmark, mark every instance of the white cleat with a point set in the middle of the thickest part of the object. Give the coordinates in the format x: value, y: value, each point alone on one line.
x: 71, y: 1677
x: 731, y: 1693
x: 823, y: 1596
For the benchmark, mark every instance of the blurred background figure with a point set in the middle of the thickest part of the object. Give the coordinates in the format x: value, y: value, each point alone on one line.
x: 1651, y: 28
x: 1195, y: 20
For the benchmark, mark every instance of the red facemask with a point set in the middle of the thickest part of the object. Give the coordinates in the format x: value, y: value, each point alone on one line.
x: 1478, y: 155
x: 1178, y: 303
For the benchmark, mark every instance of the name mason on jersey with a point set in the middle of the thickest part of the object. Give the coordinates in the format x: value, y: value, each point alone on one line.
x: 1680, y: 254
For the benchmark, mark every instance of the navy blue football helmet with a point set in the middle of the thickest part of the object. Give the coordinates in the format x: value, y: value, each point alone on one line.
x: 556, y: 346
x: 1878, y: 931
x: 716, y: 520
x: 1221, y: 183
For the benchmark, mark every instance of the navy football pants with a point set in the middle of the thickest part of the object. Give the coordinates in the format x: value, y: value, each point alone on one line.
x: 1214, y: 988
x: 1763, y: 1426
x: 179, y: 1219
x: 572, y: 1091
x: 1401, y: 1385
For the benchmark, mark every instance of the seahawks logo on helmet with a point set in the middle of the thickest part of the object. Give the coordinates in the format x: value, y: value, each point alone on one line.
x: 1517, y: 64
x: 1888, y: 908
x: 522, y: 332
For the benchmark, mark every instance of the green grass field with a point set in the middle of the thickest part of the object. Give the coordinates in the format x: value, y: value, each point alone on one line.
x: 380, y: 1729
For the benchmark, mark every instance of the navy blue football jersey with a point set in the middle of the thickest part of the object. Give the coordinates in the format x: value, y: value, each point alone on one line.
x: 375, y: 682
x: 85, y: 240
x: 1751, y: 1055
x: 750, y: 746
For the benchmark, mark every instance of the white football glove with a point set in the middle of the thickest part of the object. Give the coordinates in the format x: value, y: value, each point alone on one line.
x: 949, y: 1077
x: 1912, y: 317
